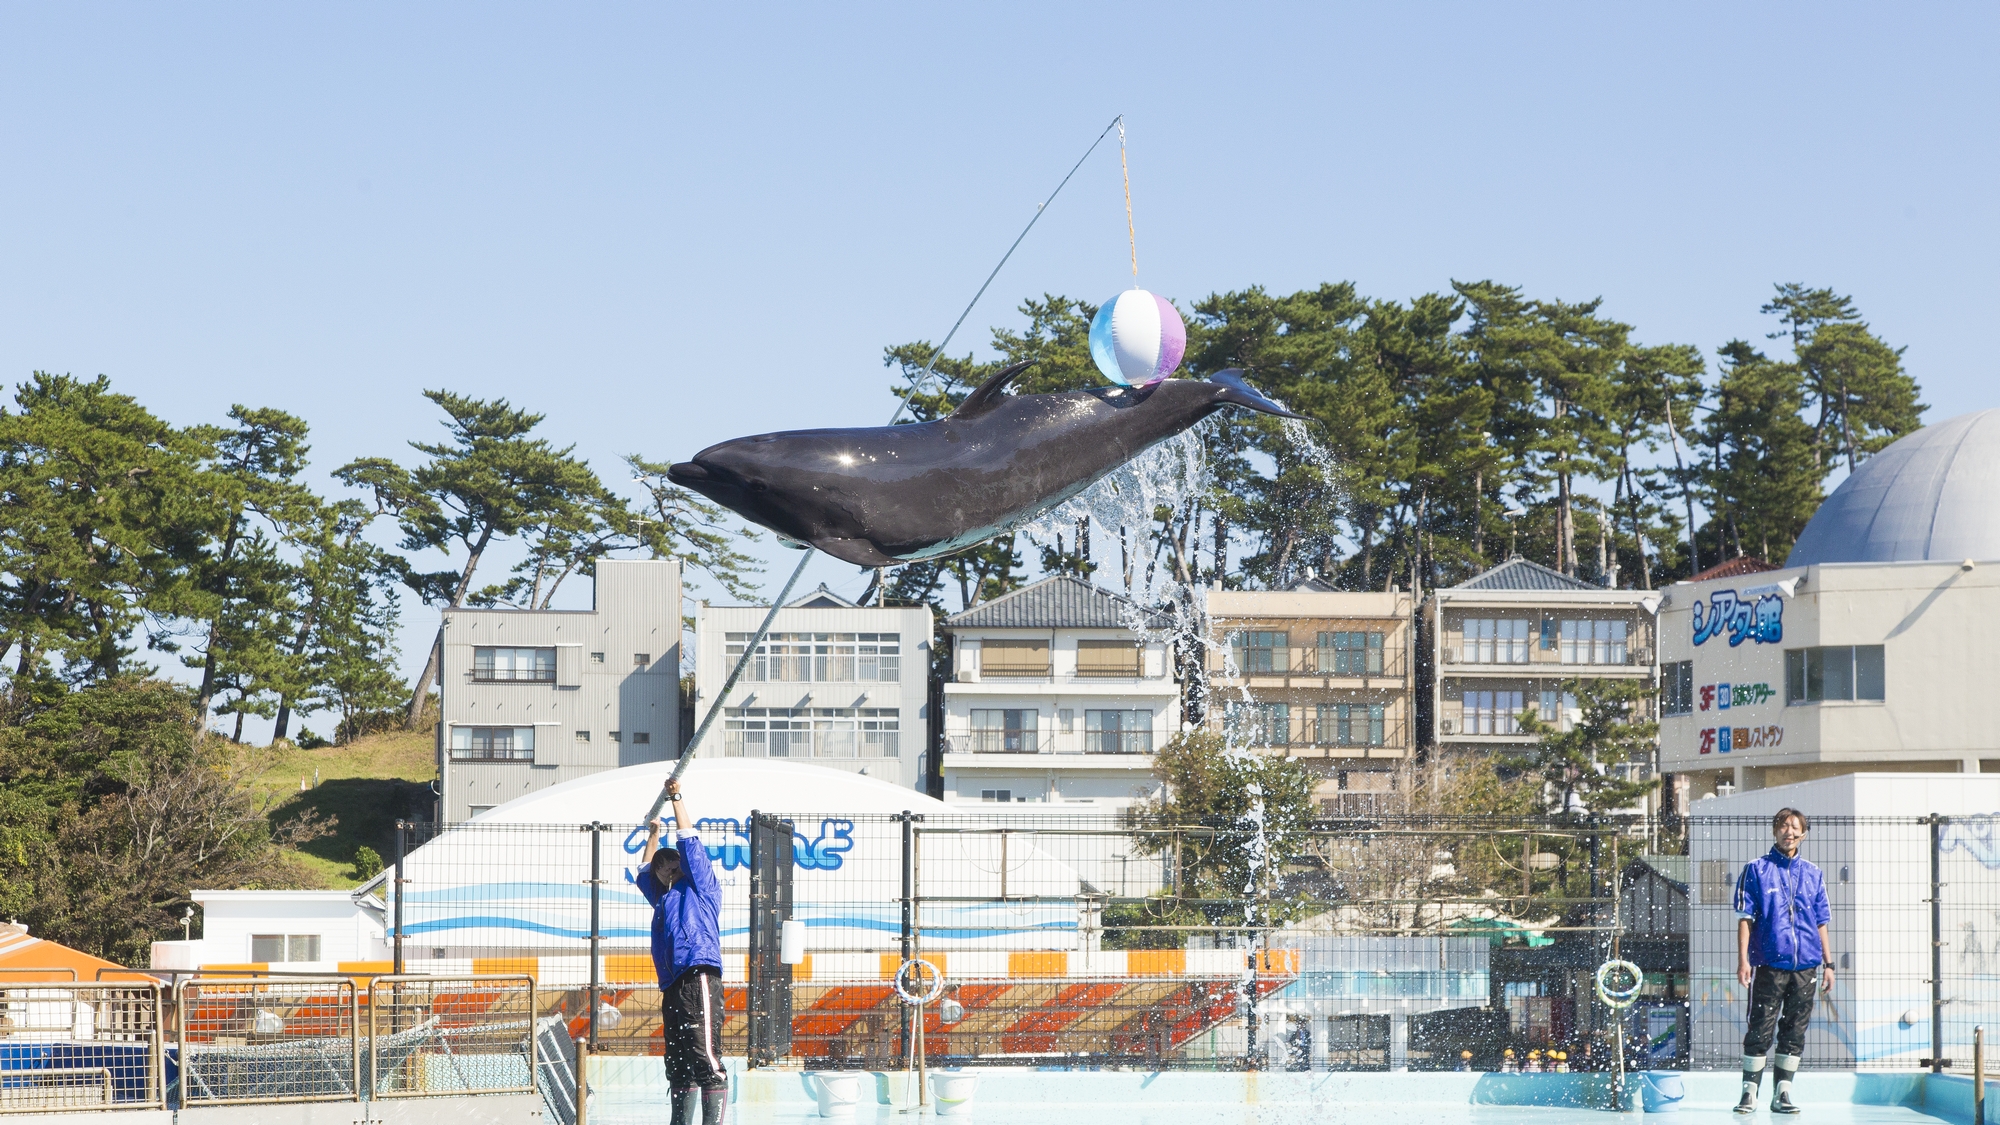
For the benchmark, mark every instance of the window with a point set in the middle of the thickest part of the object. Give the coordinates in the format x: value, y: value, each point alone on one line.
x: 613, y: 735
x: 1488, y: 640
x: 583, y: 736
x: 475, y: 810
x: 1004, y: 730
x: 1350, y: 654
x: 1553, y: 705
x: 1001, y: 795
x: 1107, y: 658
x: 1117, y: 732
x: 641, y: 738
x: 597, y: 658
x: 1593, y: 642
x: 642, y: 660
x: 1838, y: 672
x: 1677, y: 688
x: 1260, y: 652
x: 1261, y: 724
x: 497, y: 665
x: 1014, y: 658
x: 271, y: 948
x: 809, y: 732
x: 1493, y: 712
x: 1353, y: 724
x: 842, y: 658
x: 492, y: 743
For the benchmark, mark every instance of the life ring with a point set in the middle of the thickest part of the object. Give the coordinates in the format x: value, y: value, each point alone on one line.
x: 904, y: 989
x: 1619, y: 997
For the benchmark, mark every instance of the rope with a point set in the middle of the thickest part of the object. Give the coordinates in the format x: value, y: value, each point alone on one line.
x: 1131, y: 232
x: 1116, y: 122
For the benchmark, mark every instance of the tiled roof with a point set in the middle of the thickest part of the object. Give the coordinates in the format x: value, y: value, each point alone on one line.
x: 1518, y: 573
x: 1733, y: 568
x: 1062, y: 601
x: 822, y: 598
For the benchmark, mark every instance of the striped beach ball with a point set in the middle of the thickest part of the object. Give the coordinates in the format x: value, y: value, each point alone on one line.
x: 1137, y: 338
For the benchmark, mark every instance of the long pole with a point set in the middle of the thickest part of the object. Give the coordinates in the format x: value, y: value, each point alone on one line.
x: 736, y: 673
x: 1978, y: 1076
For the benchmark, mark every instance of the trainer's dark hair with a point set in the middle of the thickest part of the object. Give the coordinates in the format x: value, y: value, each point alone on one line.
x: 660, y: 857
x: 1779, y: 818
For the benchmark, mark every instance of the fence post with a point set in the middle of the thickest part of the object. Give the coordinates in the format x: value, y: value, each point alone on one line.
x: 402, y: 846
x: 908, y: 943
x: 1978, y: 1076
x: 1937, y: 1059
x: 596, y: 934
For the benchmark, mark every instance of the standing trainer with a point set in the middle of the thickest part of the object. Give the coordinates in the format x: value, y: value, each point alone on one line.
x: 687, y: 954
x: 1782, y: 954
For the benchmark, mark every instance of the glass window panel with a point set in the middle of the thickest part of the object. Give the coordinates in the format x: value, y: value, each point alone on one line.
x: 267, y: 948
x: 302, y: 947
x: 1795, y: 675
x: 1868, y: 672
x: 1815, y: 674
x: 1839, y: 672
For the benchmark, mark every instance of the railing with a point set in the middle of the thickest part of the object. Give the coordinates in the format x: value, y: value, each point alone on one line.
x: 81, y: 1046
x: 268, y: 1040
x: 1387, y: 663
x: 451, y: 1035
x: 513, y: 675
x: 1306, y: 732
x: 1053, y: 742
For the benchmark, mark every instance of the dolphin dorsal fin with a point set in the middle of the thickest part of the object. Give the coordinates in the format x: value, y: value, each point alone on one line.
x: 987, y: 396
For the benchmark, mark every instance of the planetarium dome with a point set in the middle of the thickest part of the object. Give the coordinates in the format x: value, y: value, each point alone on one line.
x: 1932, y: 495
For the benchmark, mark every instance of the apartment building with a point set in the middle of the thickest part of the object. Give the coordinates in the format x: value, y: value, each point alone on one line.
x: 1055, y: 701
x: 833, y: 683
x: 534, y: 697
x: 1503, y: 643
x: 1321, y: 675
x: 1865, y: 652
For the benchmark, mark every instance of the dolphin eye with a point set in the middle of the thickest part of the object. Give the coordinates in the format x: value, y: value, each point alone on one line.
x: 759, y: 486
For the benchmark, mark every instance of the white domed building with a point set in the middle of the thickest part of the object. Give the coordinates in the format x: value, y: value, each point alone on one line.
x: 1867, y: 651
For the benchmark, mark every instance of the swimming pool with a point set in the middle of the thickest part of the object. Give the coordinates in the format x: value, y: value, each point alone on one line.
x: 633, y: 1089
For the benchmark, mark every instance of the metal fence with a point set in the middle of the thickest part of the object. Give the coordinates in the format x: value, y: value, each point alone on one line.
x: 1915, y: 937
x: 451, y: 1035
x: 1063, y: 939
x: 80, y: 1046
x: 268, y: 1040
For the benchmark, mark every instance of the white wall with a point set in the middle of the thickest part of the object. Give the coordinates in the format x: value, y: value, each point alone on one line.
x: 229, y: 918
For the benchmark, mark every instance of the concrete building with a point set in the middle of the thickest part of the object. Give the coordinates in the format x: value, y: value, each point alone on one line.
x: 1055, y: 701
x: 534, y: 697
x: 1503, y: 642
x: 292, y: 931
x: 1866, y: 651
x: 834, y: 684
x: 1321, y: 675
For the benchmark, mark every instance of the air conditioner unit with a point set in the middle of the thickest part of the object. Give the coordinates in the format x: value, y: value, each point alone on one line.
x: 1448, y: 726
x: 967, y: 676
x: 1642, y: 656
x: 1450, y: 656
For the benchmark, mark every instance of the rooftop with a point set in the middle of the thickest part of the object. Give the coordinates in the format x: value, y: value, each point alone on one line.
x: 1062, y: 601
x: 1734, y: 568
x: 1518, y: 573
x: 1928, y: 496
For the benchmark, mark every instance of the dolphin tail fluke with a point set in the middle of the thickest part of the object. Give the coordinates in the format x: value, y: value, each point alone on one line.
x: 1231, y: 388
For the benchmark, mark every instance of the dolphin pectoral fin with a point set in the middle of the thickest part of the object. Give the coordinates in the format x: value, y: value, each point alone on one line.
x: 860, y: 552
x: 987, y: 396
x: 1231, y: 388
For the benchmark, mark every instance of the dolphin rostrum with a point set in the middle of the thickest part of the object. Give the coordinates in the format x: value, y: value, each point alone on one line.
x: 886, y: 495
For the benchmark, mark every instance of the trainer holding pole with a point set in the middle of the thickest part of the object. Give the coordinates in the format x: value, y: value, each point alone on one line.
x: 678, y: 881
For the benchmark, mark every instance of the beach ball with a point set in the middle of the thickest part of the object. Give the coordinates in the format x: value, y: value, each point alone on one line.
x: 1137, y: 338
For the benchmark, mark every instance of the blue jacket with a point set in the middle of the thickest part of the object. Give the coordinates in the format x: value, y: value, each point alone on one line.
x: 687, y: 917
x: 1785, y: 903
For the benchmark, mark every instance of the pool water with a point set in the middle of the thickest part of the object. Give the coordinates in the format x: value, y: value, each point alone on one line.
x: 634, y: 1090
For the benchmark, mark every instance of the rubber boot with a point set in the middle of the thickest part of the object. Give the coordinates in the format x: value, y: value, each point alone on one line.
x: 1784, y: 1069
x: 1753, y: 1077
x: 714, y: 1103
x: 684, y: 1103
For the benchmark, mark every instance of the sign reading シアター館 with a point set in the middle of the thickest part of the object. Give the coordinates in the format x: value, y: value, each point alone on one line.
x: 1722, y: 671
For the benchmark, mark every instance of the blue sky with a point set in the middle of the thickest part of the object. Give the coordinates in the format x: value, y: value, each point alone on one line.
x: 668, y: 225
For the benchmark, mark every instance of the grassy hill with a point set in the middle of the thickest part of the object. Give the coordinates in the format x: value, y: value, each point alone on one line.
x: 367, y: 785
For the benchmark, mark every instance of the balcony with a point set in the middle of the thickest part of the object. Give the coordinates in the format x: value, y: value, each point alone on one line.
x: 1101, y: 742
x: 513, y: 675
x: 1315, y: 663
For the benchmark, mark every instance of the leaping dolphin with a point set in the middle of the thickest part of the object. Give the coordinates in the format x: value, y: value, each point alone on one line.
x: 885, y: 495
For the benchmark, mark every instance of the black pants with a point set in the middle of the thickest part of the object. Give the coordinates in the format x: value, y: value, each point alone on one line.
x: 1781, y: 1003
x: 691, y: 1025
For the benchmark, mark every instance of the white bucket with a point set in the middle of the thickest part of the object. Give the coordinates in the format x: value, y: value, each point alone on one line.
x: 838, y: 1092
x: 952, y: 1091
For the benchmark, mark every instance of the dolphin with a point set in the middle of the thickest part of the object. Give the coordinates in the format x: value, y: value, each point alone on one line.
x: 887, y: 495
